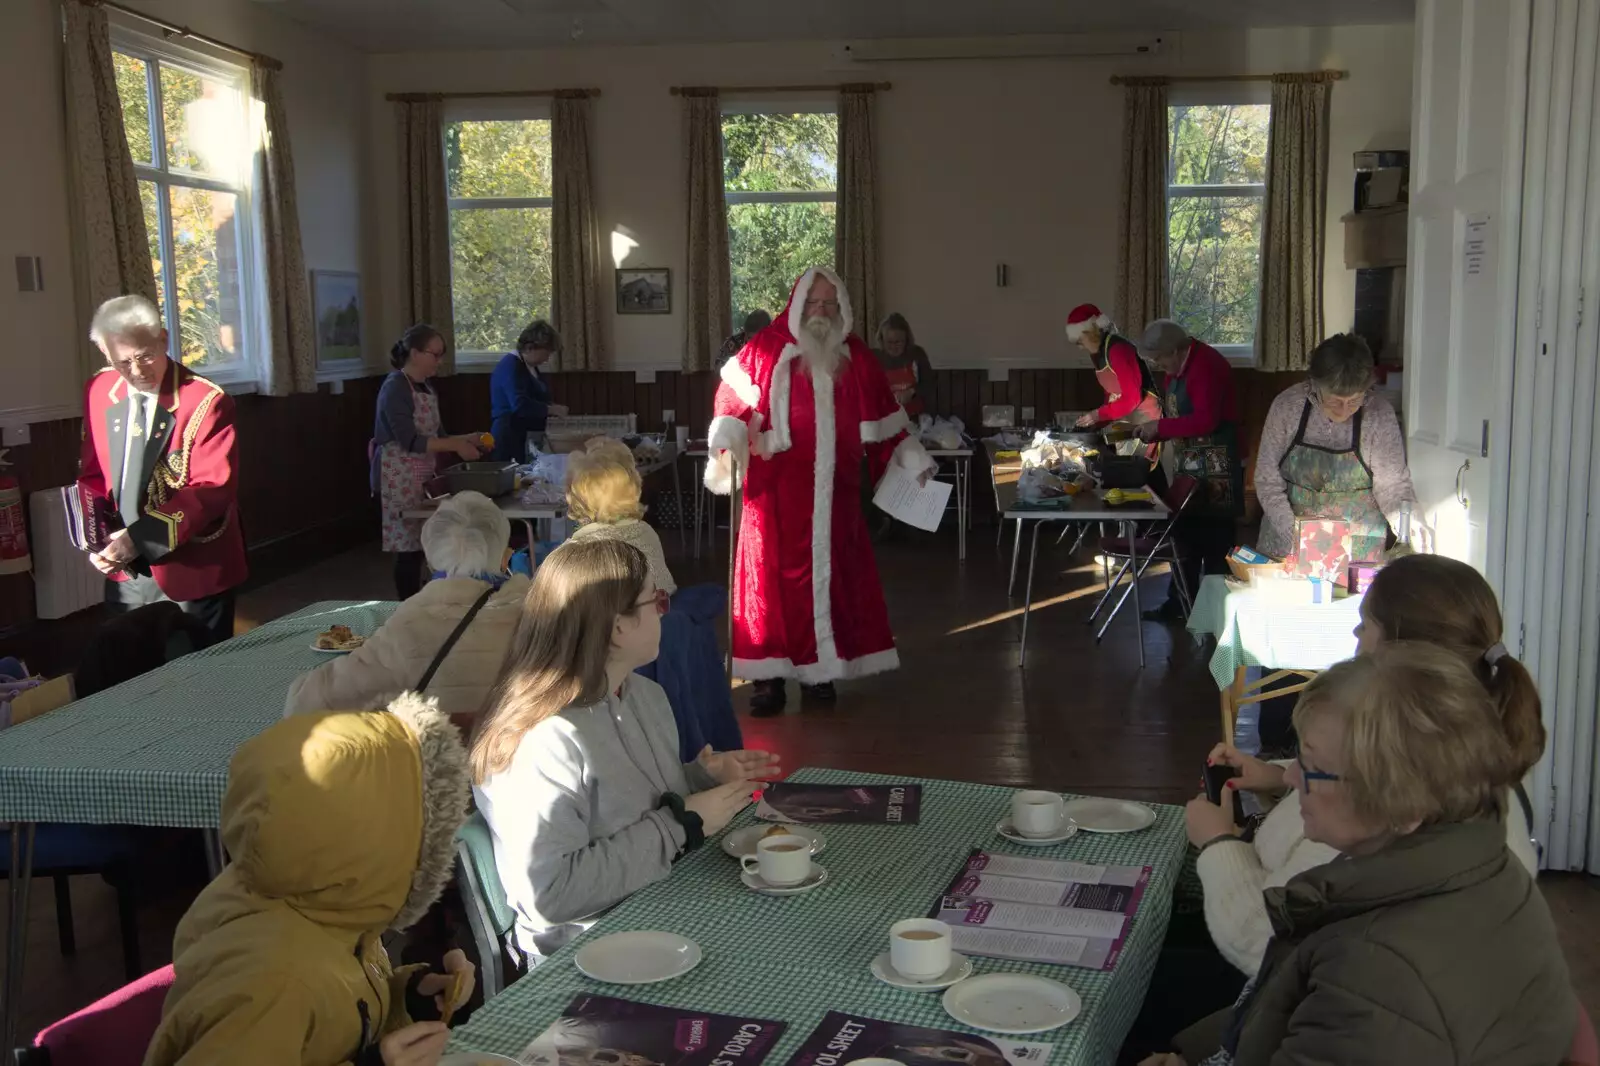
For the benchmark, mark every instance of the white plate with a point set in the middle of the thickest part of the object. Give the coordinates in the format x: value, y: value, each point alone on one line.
x: 813, y: 879
x: 477, y: 1058
x: 742, y: 842
x: 637, y: 958
x: 960, y: 969
x: 1009, y: 831
x: 346, y: 650
x: 1012, y: 1003
x: 1095, y: 814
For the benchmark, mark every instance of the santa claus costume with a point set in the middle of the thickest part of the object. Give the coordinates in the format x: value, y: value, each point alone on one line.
x: 807, y: 602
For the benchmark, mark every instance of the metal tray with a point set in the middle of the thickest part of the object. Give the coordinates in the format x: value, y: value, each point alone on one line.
x: 491, y: 479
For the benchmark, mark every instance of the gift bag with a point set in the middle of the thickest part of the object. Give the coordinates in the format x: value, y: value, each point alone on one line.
x: 1322, y: 549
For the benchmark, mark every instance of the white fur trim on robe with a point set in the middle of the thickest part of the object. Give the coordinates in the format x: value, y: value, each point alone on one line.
x: 739, y: 381
x: 886, y: 427
x: 727, y: 442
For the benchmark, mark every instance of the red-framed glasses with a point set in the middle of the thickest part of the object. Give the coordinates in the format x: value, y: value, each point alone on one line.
x: 660, y: 598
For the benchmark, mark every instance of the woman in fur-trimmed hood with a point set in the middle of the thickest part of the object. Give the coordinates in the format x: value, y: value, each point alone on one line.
x: 339, y: 825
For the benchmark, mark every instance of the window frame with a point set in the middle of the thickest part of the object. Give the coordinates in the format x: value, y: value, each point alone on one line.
x: 472, y: 361
x: 1236, y: 93
x: 241, y: 375
x: 767, y: 105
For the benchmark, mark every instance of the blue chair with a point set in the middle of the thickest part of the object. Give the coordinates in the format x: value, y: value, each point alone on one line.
x: 689, y: 668
x: 484, y: 898
x: 63, y: 851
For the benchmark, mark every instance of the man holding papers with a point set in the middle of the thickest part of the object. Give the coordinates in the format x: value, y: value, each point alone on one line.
x: 797, y: 409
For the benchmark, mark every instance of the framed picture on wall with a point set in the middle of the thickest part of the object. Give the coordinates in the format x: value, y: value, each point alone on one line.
x: 336, y: 298
x: 644, y: 291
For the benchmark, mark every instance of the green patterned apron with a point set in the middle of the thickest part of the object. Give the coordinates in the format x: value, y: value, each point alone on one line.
x: 1335, y: 484
x: 1212, y: 460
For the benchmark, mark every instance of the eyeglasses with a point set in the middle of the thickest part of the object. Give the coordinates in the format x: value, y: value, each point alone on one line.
x: 660, y: 598
x: 1341, y: 405
x: 1308, y: 775
x: 142, y: 359
x: 436, y: 354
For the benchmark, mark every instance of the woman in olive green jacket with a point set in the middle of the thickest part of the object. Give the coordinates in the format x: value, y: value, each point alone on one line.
x: 1426, y: 942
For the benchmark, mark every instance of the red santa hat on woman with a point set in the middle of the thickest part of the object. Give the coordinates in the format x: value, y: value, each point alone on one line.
x: 1083, y: 316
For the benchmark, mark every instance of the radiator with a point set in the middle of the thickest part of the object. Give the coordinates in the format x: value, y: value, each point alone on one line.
x: 65, y: 579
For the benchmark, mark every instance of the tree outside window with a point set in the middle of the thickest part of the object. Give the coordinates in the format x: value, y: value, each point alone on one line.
x: 779, y: 174
x: 1216, y: 191
x: 497, y: 178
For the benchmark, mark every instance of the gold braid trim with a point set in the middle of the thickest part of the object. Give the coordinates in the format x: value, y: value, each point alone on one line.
x: 172, y: 473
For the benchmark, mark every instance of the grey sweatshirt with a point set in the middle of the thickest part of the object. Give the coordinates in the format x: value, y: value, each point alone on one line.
x: 575, y: 819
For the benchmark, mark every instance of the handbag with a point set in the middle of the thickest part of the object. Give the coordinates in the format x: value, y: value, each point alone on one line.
x: 455, y: 635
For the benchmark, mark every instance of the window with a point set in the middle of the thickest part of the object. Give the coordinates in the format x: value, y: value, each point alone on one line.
x: 1216, y: 190
x: 779, y: 171
x: 497, y: 176
x: 186, y: 118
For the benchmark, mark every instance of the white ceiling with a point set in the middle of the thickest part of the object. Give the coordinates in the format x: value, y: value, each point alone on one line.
x: 421, y: 25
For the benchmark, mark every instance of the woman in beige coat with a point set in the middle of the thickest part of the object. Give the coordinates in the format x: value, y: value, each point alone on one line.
x: 465, y: 542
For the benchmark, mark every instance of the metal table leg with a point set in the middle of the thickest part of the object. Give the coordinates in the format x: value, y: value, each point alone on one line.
x: 1016, y: 550
x: 677, y: 493
x: 216, y: 857
x: 1027, y: 598
x: 17, y: 925
x: 700, y: 491
x: 961, y: 508
x: 1128, y: 530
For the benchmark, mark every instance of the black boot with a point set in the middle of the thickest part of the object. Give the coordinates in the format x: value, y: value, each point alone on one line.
x: 822, y: 693
x: 768, y: 700
x: 1169, y: 613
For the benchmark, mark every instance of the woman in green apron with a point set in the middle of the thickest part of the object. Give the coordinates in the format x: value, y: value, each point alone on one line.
x: 1332, y: 448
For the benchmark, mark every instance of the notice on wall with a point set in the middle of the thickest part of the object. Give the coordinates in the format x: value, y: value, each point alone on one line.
x: 1477, y: 247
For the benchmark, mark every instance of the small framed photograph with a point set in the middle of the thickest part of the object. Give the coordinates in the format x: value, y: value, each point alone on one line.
x: 336, y: 299
x: 644, y: 291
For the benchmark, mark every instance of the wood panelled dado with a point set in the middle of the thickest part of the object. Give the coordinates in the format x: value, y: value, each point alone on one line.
x: 303, y: 459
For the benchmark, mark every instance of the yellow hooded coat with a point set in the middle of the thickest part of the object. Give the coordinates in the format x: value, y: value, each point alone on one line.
x: 339, y: 826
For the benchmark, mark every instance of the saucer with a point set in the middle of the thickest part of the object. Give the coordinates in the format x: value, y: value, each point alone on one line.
x: 960, y: 969
x: 1009, y: 831
x: 1012, y: 1003
x: 1095, y: 814
x: 742, y: 842
x: 637, y: 958
x: 754, y: 883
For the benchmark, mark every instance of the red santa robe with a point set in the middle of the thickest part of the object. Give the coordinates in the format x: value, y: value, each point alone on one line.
x: 807, y: 602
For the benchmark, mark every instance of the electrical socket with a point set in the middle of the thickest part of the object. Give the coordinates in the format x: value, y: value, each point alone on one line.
x: 16, y: 435
x: 1027, y: 416
x: 669, y: 415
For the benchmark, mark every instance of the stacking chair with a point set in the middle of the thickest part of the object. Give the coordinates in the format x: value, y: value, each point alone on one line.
x: 489, y: 915
x: 1137, y: 554
x: 113, y: 1031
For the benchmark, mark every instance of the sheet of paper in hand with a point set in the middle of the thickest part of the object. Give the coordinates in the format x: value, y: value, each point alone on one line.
x: 602, y: 1031
x: 845, y: 804
x: 87, y: 518
x: 1043, y: 910
x: 900, y: 496
x: 842, y: 1038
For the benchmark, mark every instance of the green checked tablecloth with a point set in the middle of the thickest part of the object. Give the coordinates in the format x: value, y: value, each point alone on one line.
x: 155, y: 750
x: 1251, y: 631
x: 794, y: 959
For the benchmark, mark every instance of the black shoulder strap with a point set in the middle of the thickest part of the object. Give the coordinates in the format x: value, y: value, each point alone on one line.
x: 1305, y: 418
x: 450, y: 641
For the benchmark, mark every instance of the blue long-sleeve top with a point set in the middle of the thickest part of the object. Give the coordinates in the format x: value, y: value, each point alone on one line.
x: 519, y: 402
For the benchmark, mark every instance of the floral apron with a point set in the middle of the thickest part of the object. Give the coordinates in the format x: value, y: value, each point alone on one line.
x: 402, y: 475
x: 1327, y: 484
x: 1211, y: 460
x: 1149, y: 409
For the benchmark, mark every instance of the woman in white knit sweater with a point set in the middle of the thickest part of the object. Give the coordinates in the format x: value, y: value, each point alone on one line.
x: 603, y: 490
x: 1426, y: 598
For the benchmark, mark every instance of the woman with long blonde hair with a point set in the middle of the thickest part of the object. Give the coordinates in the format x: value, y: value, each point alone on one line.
x: 576, y: 765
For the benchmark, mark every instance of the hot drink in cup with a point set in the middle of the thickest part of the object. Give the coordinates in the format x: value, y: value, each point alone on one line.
x: 1037, y: 814
x: 919, y: 948
x: 780, y: 861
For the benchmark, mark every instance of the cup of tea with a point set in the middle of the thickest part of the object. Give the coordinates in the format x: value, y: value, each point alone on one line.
x: 1038, y: 814
x: 919, y: 948
x: 681, y: 435
x: 780, y: 861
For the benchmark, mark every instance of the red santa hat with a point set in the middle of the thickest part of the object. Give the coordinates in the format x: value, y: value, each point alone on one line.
x: 1085, y: 315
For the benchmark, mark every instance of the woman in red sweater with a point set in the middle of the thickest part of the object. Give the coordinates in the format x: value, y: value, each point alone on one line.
x: 1131, y: 394
x: 1200, y: 426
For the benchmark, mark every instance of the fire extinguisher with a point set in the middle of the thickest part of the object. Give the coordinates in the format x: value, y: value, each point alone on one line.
x: 14, y: 557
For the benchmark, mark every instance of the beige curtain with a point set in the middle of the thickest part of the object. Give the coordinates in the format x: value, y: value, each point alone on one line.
x: 1142, y: 286
x: 1294, y: 227
x: 707, y: 289
x: 855, y: 254
x: 112, y: 247
x: 291, y: 362
x: 575, y: 237
x: 424, y: 222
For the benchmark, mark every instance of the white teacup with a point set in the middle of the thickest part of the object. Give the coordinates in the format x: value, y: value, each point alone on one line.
x: 1038, y: 814
x: 780, y: 861
x: 681, y: 436
x: 919, y: 948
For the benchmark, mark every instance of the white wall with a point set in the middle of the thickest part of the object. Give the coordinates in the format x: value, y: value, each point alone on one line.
x: 979, y: 163
x: 324, y: 90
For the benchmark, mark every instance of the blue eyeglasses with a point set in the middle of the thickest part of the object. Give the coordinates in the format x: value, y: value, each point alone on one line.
x: 1308, y: 775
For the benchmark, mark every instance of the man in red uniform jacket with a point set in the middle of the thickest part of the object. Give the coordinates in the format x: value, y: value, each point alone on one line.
x: 159, y: 455
x: 798, y: 408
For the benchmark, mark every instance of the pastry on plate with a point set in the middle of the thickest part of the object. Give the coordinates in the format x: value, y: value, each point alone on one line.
x: 338, y: 638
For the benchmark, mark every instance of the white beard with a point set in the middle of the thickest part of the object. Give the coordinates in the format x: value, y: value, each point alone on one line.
x: 821, y: 341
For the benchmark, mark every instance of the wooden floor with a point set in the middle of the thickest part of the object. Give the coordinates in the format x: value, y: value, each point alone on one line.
x: 1081, y: 717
